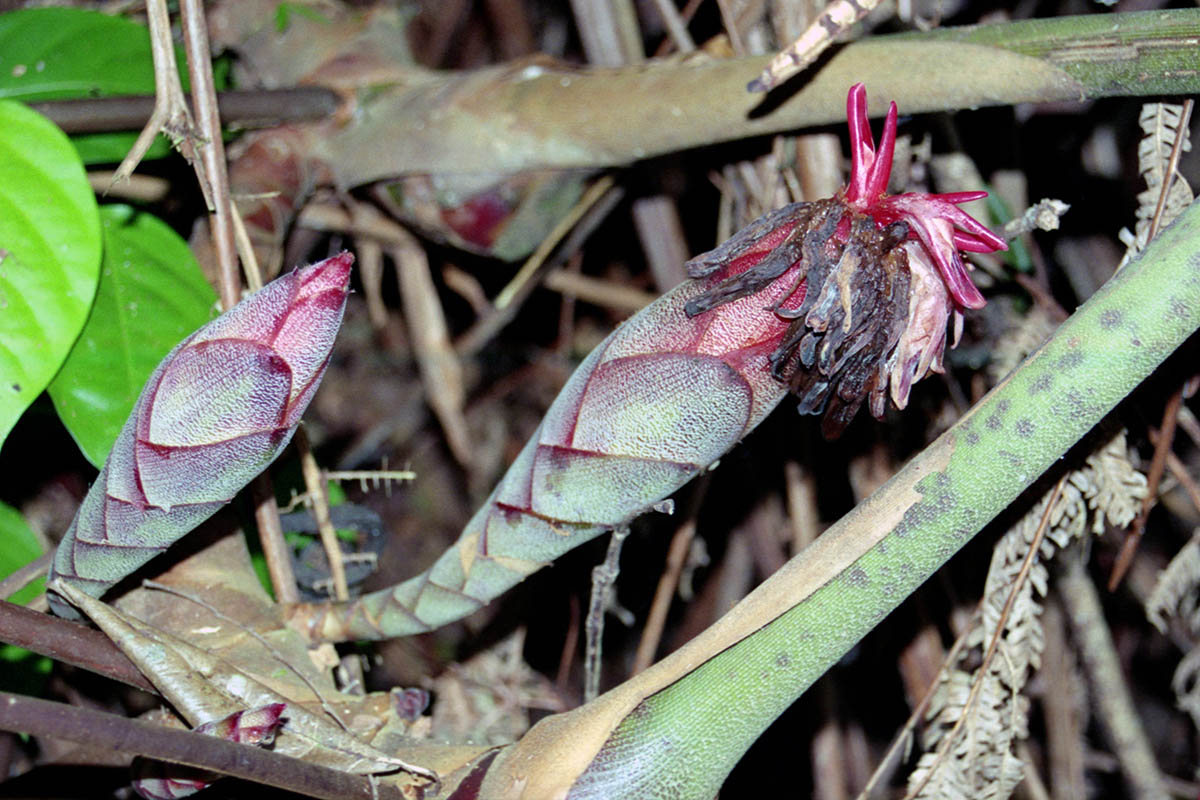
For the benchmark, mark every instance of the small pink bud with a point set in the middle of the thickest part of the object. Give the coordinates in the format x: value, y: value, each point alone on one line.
x: 217, y: 410
x: 155, y: 780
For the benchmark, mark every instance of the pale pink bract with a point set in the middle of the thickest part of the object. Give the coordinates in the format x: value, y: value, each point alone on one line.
x: 215, y: 412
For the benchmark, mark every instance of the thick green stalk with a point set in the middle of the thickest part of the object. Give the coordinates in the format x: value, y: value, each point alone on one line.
x: 682, y: 741
x: 538, y: 115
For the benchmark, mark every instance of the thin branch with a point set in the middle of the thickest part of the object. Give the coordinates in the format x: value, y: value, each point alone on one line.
x: 222, y: 224
x: 25, y: 575
x: 618, y: 297
x: 211, y: 150
x: 1153, y: 478
x: 171, y: 114
x: 1179, y: 471
x: 101, y: 730
x: 681, y: 542
x: 318, y: 494
x: 675, y: 26
x: 68, y: 642
x: 270, y: 535
x: 1110, y: 694
x: 604, y: 577
x: 896, y: 752
x: 244, y: 109
x: 836, y: 19
x: 981, y: 673
x: 595, y: 204
x: 440, y: 366
x: 1181, y: 134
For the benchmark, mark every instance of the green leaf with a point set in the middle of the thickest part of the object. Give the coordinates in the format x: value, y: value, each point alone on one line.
x: 68, y: 53
x: 152, y: 294
x: 20, y: 670
x: 49, y: 255
x: 61, y: 53
x: 18, y: 546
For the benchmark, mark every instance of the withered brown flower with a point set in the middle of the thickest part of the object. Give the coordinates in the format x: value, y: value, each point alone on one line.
x: 876, y: 279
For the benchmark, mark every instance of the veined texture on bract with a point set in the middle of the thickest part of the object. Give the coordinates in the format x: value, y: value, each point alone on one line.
x: 657, y: 402
x: 843, y: 300
x: 217, y: 410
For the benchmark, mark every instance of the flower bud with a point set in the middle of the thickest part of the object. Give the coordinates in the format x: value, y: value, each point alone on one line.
x: 217, y: 410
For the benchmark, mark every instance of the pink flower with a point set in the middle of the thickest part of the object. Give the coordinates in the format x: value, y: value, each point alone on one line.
x: 873, y: 281
x: 217, y: 410
x: 941, y: 226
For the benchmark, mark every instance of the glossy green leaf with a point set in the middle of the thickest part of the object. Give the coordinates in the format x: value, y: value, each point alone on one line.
x: 65, y: 53
x: 151, y: 295
x: 18, y: 546
x: 20, y: 670
x: 49, y: 255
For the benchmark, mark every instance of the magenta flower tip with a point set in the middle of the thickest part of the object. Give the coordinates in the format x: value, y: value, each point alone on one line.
x: 934, y: 219
x: 331, y: 274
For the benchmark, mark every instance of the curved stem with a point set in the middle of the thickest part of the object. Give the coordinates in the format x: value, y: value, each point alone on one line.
x: 687, y: 720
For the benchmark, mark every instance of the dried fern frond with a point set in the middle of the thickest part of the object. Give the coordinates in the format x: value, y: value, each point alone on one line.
x: 1186, y: 685
x: 1160, y: 124
x: 1175, y: 593
x: 981, y: 761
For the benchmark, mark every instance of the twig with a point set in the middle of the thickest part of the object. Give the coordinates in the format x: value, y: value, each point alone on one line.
x: 509, y: 293
x: 141, y: 188
x: 660, y: 232
x: 439, y: 364
x: 729, y: 21
x: 606, y: 294
x: 801, y: 494
x: 211, y: 150
x: 675, y: 26
x: 608, y: 31
x: 1181, y: 132
x: 270, y: 536
x: 375, y: 477
x: 1061, y: 709
x: 245, y: 250
x: 253, y: 108
x: 25, y: 575
x: 891, y: 759
x: 68, y: 642
x: 604, y: 577
x: 1110, y: 693
x: 567, y: 656
x: 214, y: 175
x: 370, y: 271
x: 171, y: 114
x: 681, y: 542
x: 685, y: 17
x: 318, y: 494
x: 985, y: 666
x: 595, y: 204
x: 108, y: 731
x: 1179, y: 471
x: 1162, y: 447
x: 835, y: 20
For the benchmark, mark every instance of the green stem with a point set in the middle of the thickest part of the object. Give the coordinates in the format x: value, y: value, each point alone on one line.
x: 517, y: 117
x: 682, y: 741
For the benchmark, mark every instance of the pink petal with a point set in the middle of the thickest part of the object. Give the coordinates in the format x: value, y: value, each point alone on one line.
x: 862, y: 144
x: 881, y: 170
